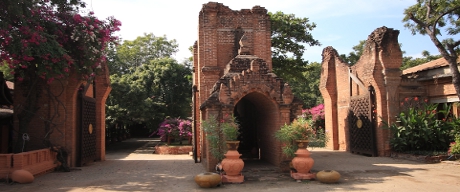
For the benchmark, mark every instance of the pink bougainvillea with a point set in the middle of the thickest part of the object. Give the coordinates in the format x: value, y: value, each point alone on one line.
x: 174, y: 127
x: 50, y: 40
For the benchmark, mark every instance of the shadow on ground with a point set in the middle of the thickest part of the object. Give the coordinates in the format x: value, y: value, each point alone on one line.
x: 132, y: 166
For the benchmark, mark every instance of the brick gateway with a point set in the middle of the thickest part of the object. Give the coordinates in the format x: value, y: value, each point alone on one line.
x: 233, y: 76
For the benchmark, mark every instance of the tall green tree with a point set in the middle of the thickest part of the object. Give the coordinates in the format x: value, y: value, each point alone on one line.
x: 307, y: 88
x: 150, y: 84
x: 131, y: 54
x: 354, y: 56
x: 438, y: 18
x: 409, y: 61
x: 289, y: 35
x: 149, y: 94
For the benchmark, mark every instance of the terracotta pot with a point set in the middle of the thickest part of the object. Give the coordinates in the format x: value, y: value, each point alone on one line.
x: 232, y: 145
x: 232, y: 164
x: 328, y: 176
x: 302, y: 162
x: 208, y: 179
x: 22, y: 176
x: 302, y: 144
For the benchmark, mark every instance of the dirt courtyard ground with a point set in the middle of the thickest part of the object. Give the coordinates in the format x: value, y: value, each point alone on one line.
x: 131, y: 167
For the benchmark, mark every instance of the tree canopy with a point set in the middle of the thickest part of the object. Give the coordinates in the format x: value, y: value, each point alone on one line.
x: 131, y: 54
x: 48, y: 38
x: 151, y: 85
x: 289, y: 35
x: 409, y: 61
x: 438, y: 19
x: 307, y: 88
x: 354, y: 56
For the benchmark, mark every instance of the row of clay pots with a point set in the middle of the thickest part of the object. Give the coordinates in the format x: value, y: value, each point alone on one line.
x: 233, y: 165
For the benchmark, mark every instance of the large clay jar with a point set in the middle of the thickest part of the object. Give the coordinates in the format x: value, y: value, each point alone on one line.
x: 22, y: 176
x: 328, y: 176
x: 302, y: 162
x: 232, y: 164
x: 208, y: 179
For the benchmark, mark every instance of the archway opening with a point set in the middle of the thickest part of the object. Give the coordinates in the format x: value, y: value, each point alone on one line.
x: 258, y: 117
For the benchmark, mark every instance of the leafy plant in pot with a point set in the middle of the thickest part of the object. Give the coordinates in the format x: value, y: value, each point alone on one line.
x: 230, y: 129
x: 231, y: 164
x: 218, y: 132
x: 213, y: 135
x: 304, y: 128
x: 226, y: 130
x: 295, y: 137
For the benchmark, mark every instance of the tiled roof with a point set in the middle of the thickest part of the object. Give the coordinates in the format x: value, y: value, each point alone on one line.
x: 441, y: 62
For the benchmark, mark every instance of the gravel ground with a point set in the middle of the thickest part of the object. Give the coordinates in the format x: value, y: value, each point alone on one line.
x: 131, y: 167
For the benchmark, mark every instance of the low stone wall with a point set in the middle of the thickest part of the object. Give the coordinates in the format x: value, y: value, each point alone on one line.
x: 173, y: 150
x: 37, y: 162
x: 5, y: 165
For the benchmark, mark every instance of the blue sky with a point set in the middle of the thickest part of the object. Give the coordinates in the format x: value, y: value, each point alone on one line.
x: 340, y: 23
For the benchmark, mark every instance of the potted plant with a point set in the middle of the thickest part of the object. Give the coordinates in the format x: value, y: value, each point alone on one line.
x: 215, y: 143
x: 295, y: 138
x: 307, y: 128
x: 298, y: 131
x: 228, y: 128
x: 230, y: 131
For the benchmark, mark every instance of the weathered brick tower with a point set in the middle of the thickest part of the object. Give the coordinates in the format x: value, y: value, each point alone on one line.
x: 233, y: 75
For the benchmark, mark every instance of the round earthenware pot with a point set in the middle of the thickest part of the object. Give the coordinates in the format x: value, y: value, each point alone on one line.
x: 208, y: 179
x: 328, y: 176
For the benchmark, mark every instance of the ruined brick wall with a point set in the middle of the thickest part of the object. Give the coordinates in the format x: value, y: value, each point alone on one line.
x: 377, y: 67
x: 63, y: 111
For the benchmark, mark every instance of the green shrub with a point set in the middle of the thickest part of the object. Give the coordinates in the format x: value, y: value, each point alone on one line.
x: 455, y: 146
x: 419, y: 129
x: 300, y: 129
x: 213, y: 134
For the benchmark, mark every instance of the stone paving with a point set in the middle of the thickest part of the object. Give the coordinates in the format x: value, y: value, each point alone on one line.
x: 132, y: 166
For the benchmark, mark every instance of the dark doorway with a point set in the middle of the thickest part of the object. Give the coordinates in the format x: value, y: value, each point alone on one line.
x: 246, y: 114
x: 258, y: 116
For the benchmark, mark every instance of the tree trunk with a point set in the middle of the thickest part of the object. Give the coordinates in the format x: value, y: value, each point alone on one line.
x: 451, y: 58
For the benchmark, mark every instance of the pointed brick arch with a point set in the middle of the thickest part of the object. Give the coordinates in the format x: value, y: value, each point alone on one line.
x: 273, y: 100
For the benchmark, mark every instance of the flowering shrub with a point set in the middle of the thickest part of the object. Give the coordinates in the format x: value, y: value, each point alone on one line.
x: 175, y: 128
x: 44, y: 40
x: 50, y: 39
